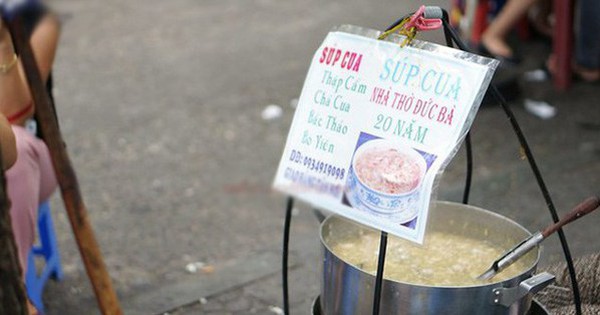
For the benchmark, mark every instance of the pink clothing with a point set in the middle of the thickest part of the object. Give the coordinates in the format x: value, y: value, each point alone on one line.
x: 30, y: 181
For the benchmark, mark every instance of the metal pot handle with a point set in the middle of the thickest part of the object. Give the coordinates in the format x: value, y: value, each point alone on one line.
x: 508, y: 296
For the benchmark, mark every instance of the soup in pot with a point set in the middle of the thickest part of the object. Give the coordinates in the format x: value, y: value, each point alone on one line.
x: 445, y: 259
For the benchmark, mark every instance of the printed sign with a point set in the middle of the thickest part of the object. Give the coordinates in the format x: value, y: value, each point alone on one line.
x: 374, y: 125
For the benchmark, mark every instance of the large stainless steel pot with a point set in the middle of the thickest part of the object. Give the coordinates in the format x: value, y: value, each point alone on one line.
x: 347, y: 290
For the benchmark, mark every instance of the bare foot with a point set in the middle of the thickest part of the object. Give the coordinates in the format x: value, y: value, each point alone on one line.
x: 587, y: 75
x: 496, y: 46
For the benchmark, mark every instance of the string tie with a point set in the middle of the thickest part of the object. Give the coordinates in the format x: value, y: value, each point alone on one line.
x: 413, y: 24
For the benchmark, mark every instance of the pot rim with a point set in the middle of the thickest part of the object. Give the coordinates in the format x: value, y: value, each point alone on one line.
x: 525, y: 274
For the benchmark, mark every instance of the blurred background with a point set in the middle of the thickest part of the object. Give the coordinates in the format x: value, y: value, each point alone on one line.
x: 176, y: 112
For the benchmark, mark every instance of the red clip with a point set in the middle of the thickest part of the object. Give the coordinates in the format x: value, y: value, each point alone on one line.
x: 422, y: 24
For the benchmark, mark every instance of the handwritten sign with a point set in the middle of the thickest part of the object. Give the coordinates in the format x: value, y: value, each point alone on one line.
x: 375, y: 123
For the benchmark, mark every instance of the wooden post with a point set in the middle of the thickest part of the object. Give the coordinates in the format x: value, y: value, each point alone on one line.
x: 562, y: 43
x: 67, y: 180
x: 13, y: 300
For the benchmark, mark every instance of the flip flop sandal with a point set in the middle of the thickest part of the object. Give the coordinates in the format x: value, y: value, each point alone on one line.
x: 507, y: 61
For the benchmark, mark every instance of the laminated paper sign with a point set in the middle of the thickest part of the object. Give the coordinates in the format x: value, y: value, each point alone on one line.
x: 374, y: 125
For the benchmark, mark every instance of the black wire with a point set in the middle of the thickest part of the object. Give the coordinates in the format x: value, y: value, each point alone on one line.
x: 379, y: 275
x: 468, y: 178
x: 536, y: 172
x: 447, y: 31
x: 546, y: 194
x: 468, y: 145
x: 284, y: 258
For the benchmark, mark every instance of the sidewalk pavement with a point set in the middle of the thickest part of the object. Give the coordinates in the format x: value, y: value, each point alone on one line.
x: 160, y: 104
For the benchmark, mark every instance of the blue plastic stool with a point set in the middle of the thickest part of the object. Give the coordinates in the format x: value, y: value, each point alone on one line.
x: 48, y: 249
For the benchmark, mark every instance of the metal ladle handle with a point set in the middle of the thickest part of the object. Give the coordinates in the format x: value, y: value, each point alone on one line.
x: 585, y: 207
x: 588, y: 205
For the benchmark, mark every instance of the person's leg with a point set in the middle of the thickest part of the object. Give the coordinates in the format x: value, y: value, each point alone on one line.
x: 587, y: 54
x: 48, y: 181
x: 23, y: 189
x: 494, y: 37
x: 29, y: 181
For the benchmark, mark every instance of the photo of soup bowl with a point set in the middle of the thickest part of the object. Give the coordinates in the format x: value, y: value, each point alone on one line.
x: 385, y: 179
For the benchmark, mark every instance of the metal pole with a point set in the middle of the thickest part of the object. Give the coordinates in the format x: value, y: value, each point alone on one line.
x: 379, y: 275
x: 285, y: 255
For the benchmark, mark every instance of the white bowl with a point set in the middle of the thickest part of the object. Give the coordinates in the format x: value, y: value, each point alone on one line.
x: 400, y: 207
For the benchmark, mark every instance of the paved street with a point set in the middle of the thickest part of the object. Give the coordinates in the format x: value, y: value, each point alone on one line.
x: 160, y: 104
